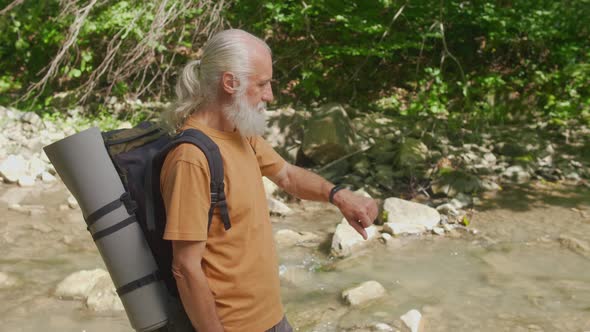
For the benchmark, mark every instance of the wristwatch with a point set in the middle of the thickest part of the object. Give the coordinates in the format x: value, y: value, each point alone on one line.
x: 334, y: 190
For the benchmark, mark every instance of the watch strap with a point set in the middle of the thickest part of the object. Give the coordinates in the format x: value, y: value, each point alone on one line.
x: 334, y: 190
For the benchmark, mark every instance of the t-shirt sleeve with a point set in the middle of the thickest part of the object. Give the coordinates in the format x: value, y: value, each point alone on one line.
x: 186, y: 195
x: 269, y: 161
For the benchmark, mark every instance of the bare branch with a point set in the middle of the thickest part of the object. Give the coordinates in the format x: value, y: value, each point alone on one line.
x: 11, y: 6
x: 70, y: 40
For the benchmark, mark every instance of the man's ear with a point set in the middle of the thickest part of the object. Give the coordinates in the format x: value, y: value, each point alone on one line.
x: 229, y: 82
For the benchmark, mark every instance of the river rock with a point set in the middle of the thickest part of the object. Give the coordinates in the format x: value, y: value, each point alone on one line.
x: 411, y: 155
x: 383, y: 327
x: 517, y: 174
x: 346, y: 239
x: 461, y: 200
x: 278, y: 208
x: 287, y: 237
x: 454, y: 182
x: 328, y: 135
x: 294, y: 275
x: 26, y: 181
x: 408, y: 217
x: 385, y: 238
x: 72, y: 202
x: 574, y: 244
x: 365, y: 292
x: 400, y: 229
x: 7, y: 281
x: 15, y: 195
x: 12, y: 168
x: 573, y: 176
x: 79, y: 284
x: 36, y: 166
x: 490, y: 158
x: 103, y: 296
x: 412, y: 319
x: 489, y: 185
x: 438, y: 230
x: 447, y: 209
x: 31, y: 118
x: 47, y: 177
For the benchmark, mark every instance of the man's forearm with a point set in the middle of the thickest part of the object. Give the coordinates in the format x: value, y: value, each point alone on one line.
x: 197, y: 299
x: 307, y: 185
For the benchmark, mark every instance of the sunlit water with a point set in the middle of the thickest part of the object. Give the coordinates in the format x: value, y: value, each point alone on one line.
x: 514, y: 275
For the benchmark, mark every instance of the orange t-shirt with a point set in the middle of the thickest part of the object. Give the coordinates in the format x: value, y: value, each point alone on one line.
x: 241, y: 263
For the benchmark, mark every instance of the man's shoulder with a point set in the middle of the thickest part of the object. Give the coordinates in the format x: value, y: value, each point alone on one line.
x: 187, y: 152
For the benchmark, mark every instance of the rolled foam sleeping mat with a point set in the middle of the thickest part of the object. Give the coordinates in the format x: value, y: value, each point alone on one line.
x: 82, y: 162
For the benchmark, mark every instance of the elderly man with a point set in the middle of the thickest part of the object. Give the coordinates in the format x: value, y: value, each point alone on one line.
x: 228, y: 279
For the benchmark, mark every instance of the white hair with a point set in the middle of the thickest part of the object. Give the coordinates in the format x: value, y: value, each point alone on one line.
x: 226, y: 51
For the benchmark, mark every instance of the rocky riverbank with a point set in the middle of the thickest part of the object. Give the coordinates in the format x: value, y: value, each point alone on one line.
x: 463, y: 181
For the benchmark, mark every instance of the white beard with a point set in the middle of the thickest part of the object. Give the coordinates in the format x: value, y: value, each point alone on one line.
x: 249, y: 120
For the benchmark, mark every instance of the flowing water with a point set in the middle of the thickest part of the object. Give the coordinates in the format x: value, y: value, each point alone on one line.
x: 513, y: 275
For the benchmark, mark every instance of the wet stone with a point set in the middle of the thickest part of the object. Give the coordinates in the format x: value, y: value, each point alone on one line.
x: 383, y: 327
x: 72, y: 203
x: 413, y: 320
x: 365, y: 292
x: 103, y: 296
x: 26, y: 181
x: 574, y: 244
x: 277, y: 207
x: 12, y: 168
x: 287, y: 237
x: 7, y: 281
x: 79, y: 284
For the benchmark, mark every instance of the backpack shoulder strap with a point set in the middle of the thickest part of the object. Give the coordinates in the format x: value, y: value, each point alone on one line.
x: 213, y: 155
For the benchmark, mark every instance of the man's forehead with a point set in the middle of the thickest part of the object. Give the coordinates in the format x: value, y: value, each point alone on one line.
x: 262, y: 63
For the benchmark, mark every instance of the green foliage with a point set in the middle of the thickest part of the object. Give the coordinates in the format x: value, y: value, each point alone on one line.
x: 490, y: 60
x: 480, y: 57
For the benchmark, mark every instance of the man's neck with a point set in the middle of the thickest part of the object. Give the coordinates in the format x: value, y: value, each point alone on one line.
x: 212, y: 116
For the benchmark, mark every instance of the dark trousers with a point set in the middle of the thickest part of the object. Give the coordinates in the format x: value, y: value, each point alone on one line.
x: 282, y: 326
x: 179, y: 321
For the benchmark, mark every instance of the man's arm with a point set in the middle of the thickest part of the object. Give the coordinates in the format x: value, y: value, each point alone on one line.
x: 358, y: 210
x: 193, y: 287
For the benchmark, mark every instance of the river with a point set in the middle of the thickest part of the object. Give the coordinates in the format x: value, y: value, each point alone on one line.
x: 514, y: 274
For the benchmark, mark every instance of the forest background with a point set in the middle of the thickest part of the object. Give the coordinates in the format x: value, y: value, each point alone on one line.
x: 464, y: 65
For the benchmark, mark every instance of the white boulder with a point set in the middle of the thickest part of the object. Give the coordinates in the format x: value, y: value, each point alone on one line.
x: 26, y: 181
x: 365, y: 292
x: 103, y: 296
x: 412, y: 320
x: 408, y: 217
x: 517, y: 174
x: 79, y: 284
x: 277, y: 207
x: 346, y: 239
x: 47, y: 177
x: 13, y: 167
x: 383, y: 327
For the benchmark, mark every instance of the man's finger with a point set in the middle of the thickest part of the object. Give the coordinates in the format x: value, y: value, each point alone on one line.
x: 359, y: 228
x: 374, y: 210
x: 365, y: 221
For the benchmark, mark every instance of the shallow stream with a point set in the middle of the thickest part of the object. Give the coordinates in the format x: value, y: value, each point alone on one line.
x: 513, y: 275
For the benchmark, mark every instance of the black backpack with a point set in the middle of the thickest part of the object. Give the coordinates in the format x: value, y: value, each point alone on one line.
x: 138, y: 155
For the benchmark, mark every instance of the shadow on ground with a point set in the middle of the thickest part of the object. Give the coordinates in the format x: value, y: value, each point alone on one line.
x: 535, y: 195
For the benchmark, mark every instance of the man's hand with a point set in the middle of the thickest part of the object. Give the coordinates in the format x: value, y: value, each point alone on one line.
x: 359, y: 211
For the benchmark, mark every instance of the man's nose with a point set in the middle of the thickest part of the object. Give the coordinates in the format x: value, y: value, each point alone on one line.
x: 267, y: 95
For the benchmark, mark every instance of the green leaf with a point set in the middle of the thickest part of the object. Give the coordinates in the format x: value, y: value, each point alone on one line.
x: 465, y: 221
x: 75, y: 72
